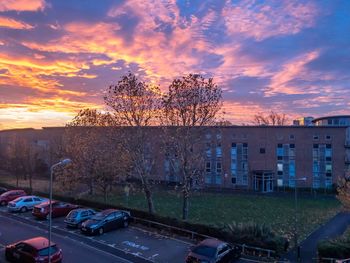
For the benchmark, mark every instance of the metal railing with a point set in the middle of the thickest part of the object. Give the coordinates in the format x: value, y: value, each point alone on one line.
x: 331, y: 260
x: 246, y: 250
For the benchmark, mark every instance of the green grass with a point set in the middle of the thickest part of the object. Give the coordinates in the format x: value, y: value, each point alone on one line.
x: 218, y: 209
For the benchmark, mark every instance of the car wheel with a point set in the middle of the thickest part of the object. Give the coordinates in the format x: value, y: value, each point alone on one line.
x: 126, y: 223
x: 24, y: 209
x: 100, y: 231
x: 3, y: 203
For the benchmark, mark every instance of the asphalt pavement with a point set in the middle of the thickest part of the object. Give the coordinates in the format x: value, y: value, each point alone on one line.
x: 132, y: 244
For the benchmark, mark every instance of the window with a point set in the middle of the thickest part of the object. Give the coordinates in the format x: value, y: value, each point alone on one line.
x: 291, y: 137
x: 218, y: 167
x: 328, y: 168
x: 315, y: 137
x: 279, y: 151
x: 234, y: 180
x: 218, y: 136
x: 208, y: 167
x: 292, y: 168
x: 315, y: 146
x: 208, y: 136
x: 280, y: 167
x: 262, y: 150
x: 28, y: 200
x: 84, y: 213
x: 218, y: 151
x: 328, y: 137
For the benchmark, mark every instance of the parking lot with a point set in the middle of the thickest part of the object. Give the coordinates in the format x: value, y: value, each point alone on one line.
x: 133, y: 243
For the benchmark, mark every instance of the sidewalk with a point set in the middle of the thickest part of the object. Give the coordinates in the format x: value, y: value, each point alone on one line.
x: 333, y: 228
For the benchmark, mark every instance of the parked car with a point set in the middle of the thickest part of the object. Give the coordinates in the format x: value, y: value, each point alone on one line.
x: 58, y: 209
x: 25, y: 203
x: 34, y: 250
x: 77, y: 216
x: 3, y: 190
x: 10, y: 195
x: 213, y: 250
x: 106, y: 220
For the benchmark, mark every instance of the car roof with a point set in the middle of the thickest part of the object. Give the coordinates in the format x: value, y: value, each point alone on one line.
x: 108, y: 211
x: 212, y: 242
x: 47, y: 203
x: 82, y: 209
x: 38, y: 242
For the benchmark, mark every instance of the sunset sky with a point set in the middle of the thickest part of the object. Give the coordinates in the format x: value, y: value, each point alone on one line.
x: 59, y: 56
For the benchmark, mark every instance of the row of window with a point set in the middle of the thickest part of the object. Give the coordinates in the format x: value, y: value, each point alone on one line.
x: 280, y: 137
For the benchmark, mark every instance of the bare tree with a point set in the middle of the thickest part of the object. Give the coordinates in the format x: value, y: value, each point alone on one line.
x: 190, y: 105
x: 83, y: 139
x: 273, y: 119
x: 16, y: 157
x: 135, y: 103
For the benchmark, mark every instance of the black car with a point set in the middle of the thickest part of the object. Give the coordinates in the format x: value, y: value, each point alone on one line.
x: 106, y: 220
x: 213, y: 250
x: 77, y: 216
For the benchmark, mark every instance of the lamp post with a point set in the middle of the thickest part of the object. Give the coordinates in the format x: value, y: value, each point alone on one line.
x: 61, y: 163
x: 296, y: 245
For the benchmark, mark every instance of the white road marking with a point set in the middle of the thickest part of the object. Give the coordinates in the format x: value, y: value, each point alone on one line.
x: 167, y: 237
x: 134, y: 245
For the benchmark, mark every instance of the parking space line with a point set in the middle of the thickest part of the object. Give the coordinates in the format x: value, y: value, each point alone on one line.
x: 167, y: 237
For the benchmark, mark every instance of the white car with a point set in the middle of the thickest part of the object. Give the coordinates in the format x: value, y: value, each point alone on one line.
x: 25, y: 203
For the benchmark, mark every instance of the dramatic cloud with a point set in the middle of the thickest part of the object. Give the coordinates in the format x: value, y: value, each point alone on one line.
x: 59, y: 56
x: 22, y: 5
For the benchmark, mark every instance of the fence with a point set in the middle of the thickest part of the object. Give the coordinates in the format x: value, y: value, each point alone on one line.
x: 332, y: 260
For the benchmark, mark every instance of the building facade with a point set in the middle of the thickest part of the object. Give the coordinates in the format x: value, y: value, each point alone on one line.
x: 259, y: 158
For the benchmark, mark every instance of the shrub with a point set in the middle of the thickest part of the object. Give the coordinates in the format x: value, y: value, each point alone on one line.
x: 338, y: 248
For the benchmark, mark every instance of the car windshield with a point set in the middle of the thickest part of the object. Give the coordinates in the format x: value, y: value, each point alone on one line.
x: 45, y: 251
x: 18, y: 200
x: 205, y: 251
x: 73, y: 214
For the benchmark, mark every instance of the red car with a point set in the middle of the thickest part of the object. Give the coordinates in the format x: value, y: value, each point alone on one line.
x: 10, y: 195
x: 34, y: 250
x: 58, y: 209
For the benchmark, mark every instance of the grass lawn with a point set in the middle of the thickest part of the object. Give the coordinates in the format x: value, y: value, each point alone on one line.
x: 218, y: 209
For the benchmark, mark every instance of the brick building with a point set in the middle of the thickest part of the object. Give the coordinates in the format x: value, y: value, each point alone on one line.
x: 250, y: 157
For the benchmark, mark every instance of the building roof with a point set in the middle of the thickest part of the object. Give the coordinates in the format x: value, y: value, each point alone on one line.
x: 330, y: 117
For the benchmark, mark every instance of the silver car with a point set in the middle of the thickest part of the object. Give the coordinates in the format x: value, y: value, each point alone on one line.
x: 25, y: 203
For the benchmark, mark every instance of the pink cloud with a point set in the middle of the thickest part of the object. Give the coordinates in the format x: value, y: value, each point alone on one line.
x: 261, y: 21
x: 22, y: 5
x: 14, y: 24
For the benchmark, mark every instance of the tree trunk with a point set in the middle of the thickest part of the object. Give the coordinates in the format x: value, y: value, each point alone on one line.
x: 185, y: 205
x: 30, y: 183
x: 105, y: 195
x: 150, y: 204
x: 17, y: 181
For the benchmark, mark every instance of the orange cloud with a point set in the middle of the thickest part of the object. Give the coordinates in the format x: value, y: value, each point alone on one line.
x: 14, y: 24
x: 22, y: 5
x: 40, y: 112
x: 40, y: 75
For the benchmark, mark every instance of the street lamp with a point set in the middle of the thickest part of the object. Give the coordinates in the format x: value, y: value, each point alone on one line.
x: 296, y: 216
x: 61, y: 163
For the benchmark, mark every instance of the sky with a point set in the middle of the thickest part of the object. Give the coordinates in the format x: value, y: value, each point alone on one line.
x: 58, y: 56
